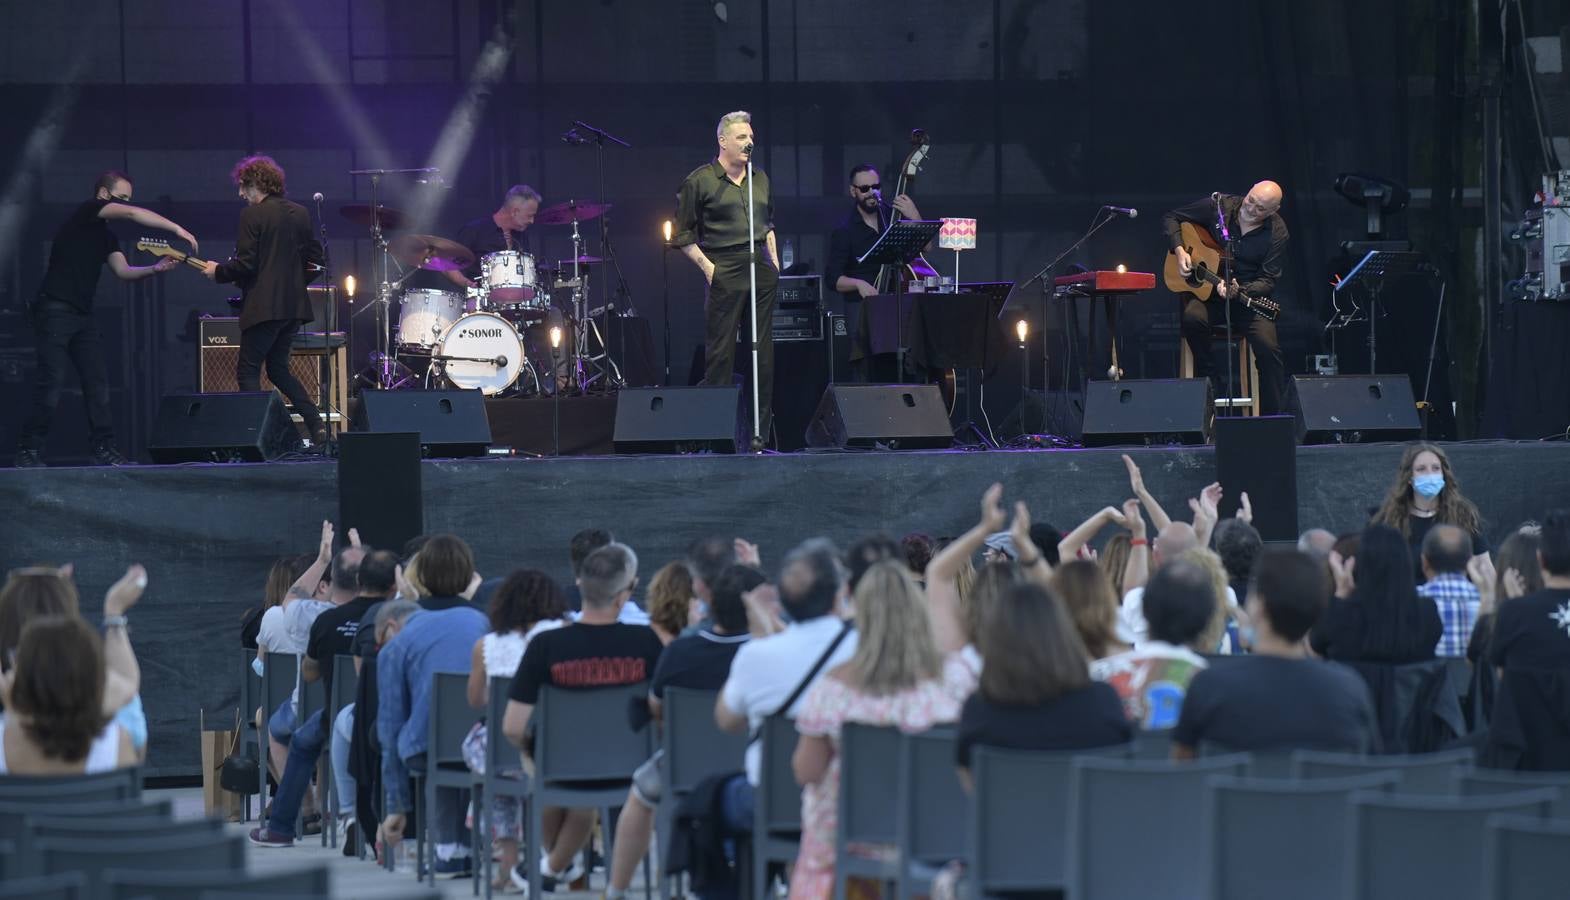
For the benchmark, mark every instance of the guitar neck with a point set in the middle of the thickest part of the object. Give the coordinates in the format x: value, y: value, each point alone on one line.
x: 193, y: 262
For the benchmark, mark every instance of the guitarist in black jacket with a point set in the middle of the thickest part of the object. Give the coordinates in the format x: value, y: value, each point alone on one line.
x: 275, y: 257
x: 1260, y: 237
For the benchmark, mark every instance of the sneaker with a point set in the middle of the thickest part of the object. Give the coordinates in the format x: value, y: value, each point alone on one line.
x: 107, y: 455
x: 351, y: 833
x: 266, y: 837
x: 548, y: 879
x: 457, y: 867
x: 29, y: 459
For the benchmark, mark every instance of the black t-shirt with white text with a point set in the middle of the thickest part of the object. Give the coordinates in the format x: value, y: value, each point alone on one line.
x: 1091, y: 716
x: 586, y: 656
x: 1273, y: 703
x: 334, y: 632
x: 76, y: 258
x: 699, y: 661
x: 1533, y: 632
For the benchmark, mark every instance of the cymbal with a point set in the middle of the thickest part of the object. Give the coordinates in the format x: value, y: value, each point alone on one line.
x: 569, y: 212
x: 428, y: 251
x: 360, y: 214
x: 565, y: 265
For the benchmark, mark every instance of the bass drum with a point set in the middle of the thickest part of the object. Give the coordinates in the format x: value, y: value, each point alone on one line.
x: 481, y: 350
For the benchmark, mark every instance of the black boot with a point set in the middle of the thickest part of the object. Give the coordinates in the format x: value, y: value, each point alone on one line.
x: 108, y: 455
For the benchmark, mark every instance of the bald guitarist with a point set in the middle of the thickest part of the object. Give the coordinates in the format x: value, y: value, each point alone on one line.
x: 1260, y: 239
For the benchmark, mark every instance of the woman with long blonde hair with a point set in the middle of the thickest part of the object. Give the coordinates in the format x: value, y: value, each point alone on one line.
x: 1426, y: 492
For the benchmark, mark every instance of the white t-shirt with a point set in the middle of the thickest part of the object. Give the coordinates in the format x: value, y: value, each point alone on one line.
x: 102, y: 756
x: 273, y: 634
x: 1132, y: 628
x: 767, y: 669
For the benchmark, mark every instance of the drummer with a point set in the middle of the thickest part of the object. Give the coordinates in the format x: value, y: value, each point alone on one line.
x: 501, y: 230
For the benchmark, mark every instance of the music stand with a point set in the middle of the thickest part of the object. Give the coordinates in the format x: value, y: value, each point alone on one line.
x: 901, y: 243
x: 1370, y: 273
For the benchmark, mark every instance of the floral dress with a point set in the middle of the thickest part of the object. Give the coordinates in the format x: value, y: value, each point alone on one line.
x: 828, y: 705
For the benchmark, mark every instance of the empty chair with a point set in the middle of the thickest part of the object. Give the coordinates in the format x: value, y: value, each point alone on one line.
x: 694, y: 748
x: 1428, y: 847
x: 1122, y: 804
x: 121, y: 785
x: 1153, y: 744
x: 869, y: 783
x: 776, y: 829
x: 186, y: 853
x: 450, y: 721
x: 90, y: 829
x: 1480, y: 782
x: 933, y: 810
x: 500, y: 757
x: 345, y: 682
x: 126, y: 884
x: 1525, y: 858
x: 13, y: 813
x: 1020, y: 817
x: 584, y: 756
x: 279, y: 672
x: 250, y: 702
x: 1251, y: 854
x: 1422, y: 773
x: 64, y: 886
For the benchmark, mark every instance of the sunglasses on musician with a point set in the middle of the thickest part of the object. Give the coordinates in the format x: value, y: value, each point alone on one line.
x: 864, y: 188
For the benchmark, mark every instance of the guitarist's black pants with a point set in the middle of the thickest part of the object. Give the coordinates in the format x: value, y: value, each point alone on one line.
x: 269, y: 343
x: 1199, y: 321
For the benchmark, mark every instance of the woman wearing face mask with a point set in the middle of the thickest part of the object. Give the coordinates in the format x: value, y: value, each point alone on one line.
x: 1426, y: 493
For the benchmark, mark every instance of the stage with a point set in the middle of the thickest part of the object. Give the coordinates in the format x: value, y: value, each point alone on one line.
x: 208, y: 533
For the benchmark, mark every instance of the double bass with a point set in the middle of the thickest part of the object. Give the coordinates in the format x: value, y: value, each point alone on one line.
x: 920, y: 146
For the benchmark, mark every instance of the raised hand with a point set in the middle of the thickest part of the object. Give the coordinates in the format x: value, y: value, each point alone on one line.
x: 1136, y: 480
x: 1515, y: 583
x: 747, y: 553
x: 354, y: 538
x: 992, y: 517
x: 1131, y: 518
x: 1342, y: 571
x: 123, y: 594
x: 1019, y: 532
x: 1246, y: 510
x: 324, y: 550
x: 1210, y: 499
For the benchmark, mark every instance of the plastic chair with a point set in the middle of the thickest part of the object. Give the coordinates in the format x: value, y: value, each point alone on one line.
x: 187, y: 853
x: 1251, y: 855
x: 776, y: 823
x: 1430, y: 847
x: 449, y: 723
x: 121, y: 785
x: 1525, y: 858
x: 694, y: 748
x: 345, y: 681
x: 1118, y: 804
x: 131, y: 884
x: 1421, y: 773
x: 90, y: 830
x: 243, y: 893
x: 499, y: 755
x: 64, y: 886
x: 933, y: 811
x: 279, y: 674
x: 250, y: 702
x: 1020, y: 817
x: 13, y: 813
x: 1152, y: 744
x: 1482, y: 782
x: 868, y: 801
x: 584, y: 756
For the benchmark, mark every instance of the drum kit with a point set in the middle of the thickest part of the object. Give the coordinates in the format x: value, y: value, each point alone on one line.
x: 475, y: 338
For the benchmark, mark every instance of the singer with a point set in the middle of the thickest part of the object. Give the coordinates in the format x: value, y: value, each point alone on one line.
x: 275, y: 256
x: 711, y: 230
x: 1260, y: 239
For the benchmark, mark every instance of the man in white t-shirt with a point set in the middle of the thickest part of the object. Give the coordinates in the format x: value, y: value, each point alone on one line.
x: 1170, y: 541
x: 771, y: 667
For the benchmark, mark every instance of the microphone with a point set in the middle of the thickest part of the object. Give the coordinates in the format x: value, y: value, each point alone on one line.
x: 1129, y: 211
x: 435, y: 180
x: 317, y: 197
x: 571, y: 136
x: 746, y: 148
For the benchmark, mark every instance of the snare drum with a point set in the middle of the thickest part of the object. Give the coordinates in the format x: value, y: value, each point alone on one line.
x: 424, y: 314
x: 508, y: 277
x: 480, y: 350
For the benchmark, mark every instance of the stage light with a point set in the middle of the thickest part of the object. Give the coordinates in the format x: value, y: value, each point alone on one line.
x: 348, y: 286
x: 667, y: 230
x: 1022, y: 328
x: 1122, y: 268
x: 555, y: 337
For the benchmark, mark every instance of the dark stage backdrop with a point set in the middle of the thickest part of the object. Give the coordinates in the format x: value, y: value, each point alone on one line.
x: 1039, y: 111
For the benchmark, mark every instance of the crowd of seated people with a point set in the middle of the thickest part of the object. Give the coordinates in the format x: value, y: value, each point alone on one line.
x: 1013, y: 634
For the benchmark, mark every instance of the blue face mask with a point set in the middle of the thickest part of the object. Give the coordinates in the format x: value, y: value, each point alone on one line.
x: 1428, y: 486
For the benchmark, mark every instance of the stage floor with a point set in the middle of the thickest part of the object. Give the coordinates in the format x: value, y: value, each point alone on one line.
x: 208, y: 533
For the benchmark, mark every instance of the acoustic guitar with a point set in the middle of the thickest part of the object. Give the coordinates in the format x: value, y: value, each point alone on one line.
x: 1201, y: 282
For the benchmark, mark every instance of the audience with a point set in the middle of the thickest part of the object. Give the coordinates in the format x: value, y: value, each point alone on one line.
x: 1316, y: 542
x: 1152, y: 679
x: 1533, y: 631
x: 54, y: 698
x: 1446, y: 552
x: 1277, y: 698
x: 1519, y: 574
x: 284, y: 572
x: 1170, y: 542
x: 1425, y: 493
x: 596, y: 651
x: 917, y: 550
x: 673, y: 607
x: 1377, y: 615
x: 706, y: 559
x: 525, y: 604
x: 896, y: 677
x: 1091, y: 605
x: 1217, y: 636
x: 1237, y: 543
x: 583, y: 543
x: 1113, y: 560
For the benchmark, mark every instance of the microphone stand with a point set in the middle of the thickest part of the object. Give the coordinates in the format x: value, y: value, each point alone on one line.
x: 1097, y: 223
x: 324, y: 389
x: 1226, y: 278
x: 752, y: 276
x: 614, y: 377
x: 665, y: 305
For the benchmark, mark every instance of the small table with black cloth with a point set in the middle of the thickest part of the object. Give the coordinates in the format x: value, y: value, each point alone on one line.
x: 942, y: 331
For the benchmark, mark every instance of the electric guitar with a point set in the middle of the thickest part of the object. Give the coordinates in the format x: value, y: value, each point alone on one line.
x: 160, y: 247
x: 1206, y: 254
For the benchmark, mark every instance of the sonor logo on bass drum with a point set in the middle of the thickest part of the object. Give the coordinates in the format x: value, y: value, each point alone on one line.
x: 481, y: 332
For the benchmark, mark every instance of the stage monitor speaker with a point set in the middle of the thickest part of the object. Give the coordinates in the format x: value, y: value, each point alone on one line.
x: 243, y: 427
x: 449, y: 422
x: 379, y: 488
x: 1155, y: 411
x: 1258, y: 455
x: 1349, y: 409
x: 890, y: 416
x: 679, y: 419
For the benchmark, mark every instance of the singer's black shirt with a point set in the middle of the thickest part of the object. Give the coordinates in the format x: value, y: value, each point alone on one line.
x: 1259, y: 254
x: 711, y: 210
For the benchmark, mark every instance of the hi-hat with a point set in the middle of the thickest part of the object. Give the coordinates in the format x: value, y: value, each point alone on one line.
x: 428, y: 251
x: 584, y: 260
x: 569, y: 212
x: 361, y: 215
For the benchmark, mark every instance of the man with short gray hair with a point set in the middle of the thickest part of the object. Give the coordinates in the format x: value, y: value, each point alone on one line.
x: 712, y: 230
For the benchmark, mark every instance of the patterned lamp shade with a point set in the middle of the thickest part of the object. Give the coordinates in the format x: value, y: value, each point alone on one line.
x: 957, y: 234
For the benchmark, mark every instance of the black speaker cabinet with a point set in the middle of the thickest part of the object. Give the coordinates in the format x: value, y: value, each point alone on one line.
x: 893, y: 416
x: 679, y: 419
x: 449, y: 422
x: 1335, y: 409
x: 379, y: 488
x: 1156, y: 411
x: 242, y: 427
x: 1258, y: 455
